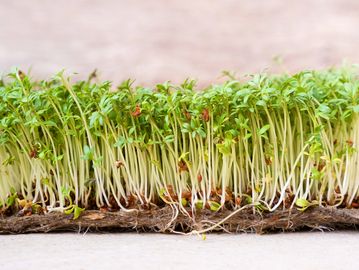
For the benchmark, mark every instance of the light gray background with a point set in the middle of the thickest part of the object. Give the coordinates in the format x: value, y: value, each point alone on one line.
x: 155, y: 41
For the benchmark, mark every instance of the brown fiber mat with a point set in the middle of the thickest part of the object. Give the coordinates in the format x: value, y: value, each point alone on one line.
x: 166, y: 220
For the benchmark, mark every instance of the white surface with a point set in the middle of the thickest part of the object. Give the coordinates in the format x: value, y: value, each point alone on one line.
x: 315, y: 250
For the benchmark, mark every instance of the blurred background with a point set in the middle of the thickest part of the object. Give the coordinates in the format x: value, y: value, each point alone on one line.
x: 155, y: 41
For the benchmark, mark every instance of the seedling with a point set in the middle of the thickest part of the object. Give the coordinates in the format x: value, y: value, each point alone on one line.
x: 269, y: 143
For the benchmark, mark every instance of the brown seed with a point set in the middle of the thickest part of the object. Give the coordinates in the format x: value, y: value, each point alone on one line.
x: 186, y: 195
x: 228, y: 196
x: 355, y: 205
x: 171, y: 193
x: 238, y: 200
x: 33, y: 153
x: 131, y: 200
x: 21, y: 74
x: 199, y: 178
x: 207, y: 206
x: 122, y: 201
x: 118, y: 163
x: 205, y: 115
x: 187, y: 115
x: 182, y: 166
x: 216, y: 199
x: 113, y: 202
x: 321, y: 166
x: 22, y: 203
x: 268, y: 161
x: 137, y: 111
x: 104, y: 209
x: 93, y: 75
x: 170, y: 188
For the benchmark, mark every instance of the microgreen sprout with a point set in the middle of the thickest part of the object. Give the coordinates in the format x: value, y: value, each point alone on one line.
x: 270, y: 142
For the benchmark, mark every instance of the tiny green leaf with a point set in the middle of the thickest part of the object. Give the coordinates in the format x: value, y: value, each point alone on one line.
x: 263, y: 130
x: 184, y: 202
x: 214, y: 206
x: 77, y: 211
x: 199, y: 204
x: 302, y: 202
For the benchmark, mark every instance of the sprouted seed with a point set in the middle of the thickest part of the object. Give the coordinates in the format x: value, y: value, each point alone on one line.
x: 270, y: 142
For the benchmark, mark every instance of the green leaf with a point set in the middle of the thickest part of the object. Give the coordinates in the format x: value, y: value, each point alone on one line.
x: 263, y: 130
x: 42, y: 154
x: 184, y: 202
x: 324, y: 111
x: 98, y: 161
x: 186, y: 128
x: 65, y: 191
x: 356, y: 108
x: 261, y: 103
x: 214, y: 206
x: 316, y: 174
x: 199, y: 204
x: 224, y: 148
x: 69, y: 211
x: 169, y: 139
x: 12, y: 191
x: 121, y: 141
x: 161, y: 194
x: 9, y: 161
x: 183, y: 156
x: 201, y: 133
x: 59, y: 157
x: 78, y: 211
x: 132, y: 130
x: 88, y: 153
x: 46, y: 182
x: 162, y: 191
x: 10, y: 201
x: 247, y: 136
x: 96, y: 119
x: 302, y: 202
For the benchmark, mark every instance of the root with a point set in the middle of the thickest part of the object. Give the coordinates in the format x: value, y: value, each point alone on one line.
x: 162, y: 220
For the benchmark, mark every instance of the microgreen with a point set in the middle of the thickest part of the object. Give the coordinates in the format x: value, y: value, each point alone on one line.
x: 269, y: 141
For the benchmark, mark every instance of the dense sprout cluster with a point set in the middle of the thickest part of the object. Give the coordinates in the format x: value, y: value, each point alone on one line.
x: 268, y: 142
